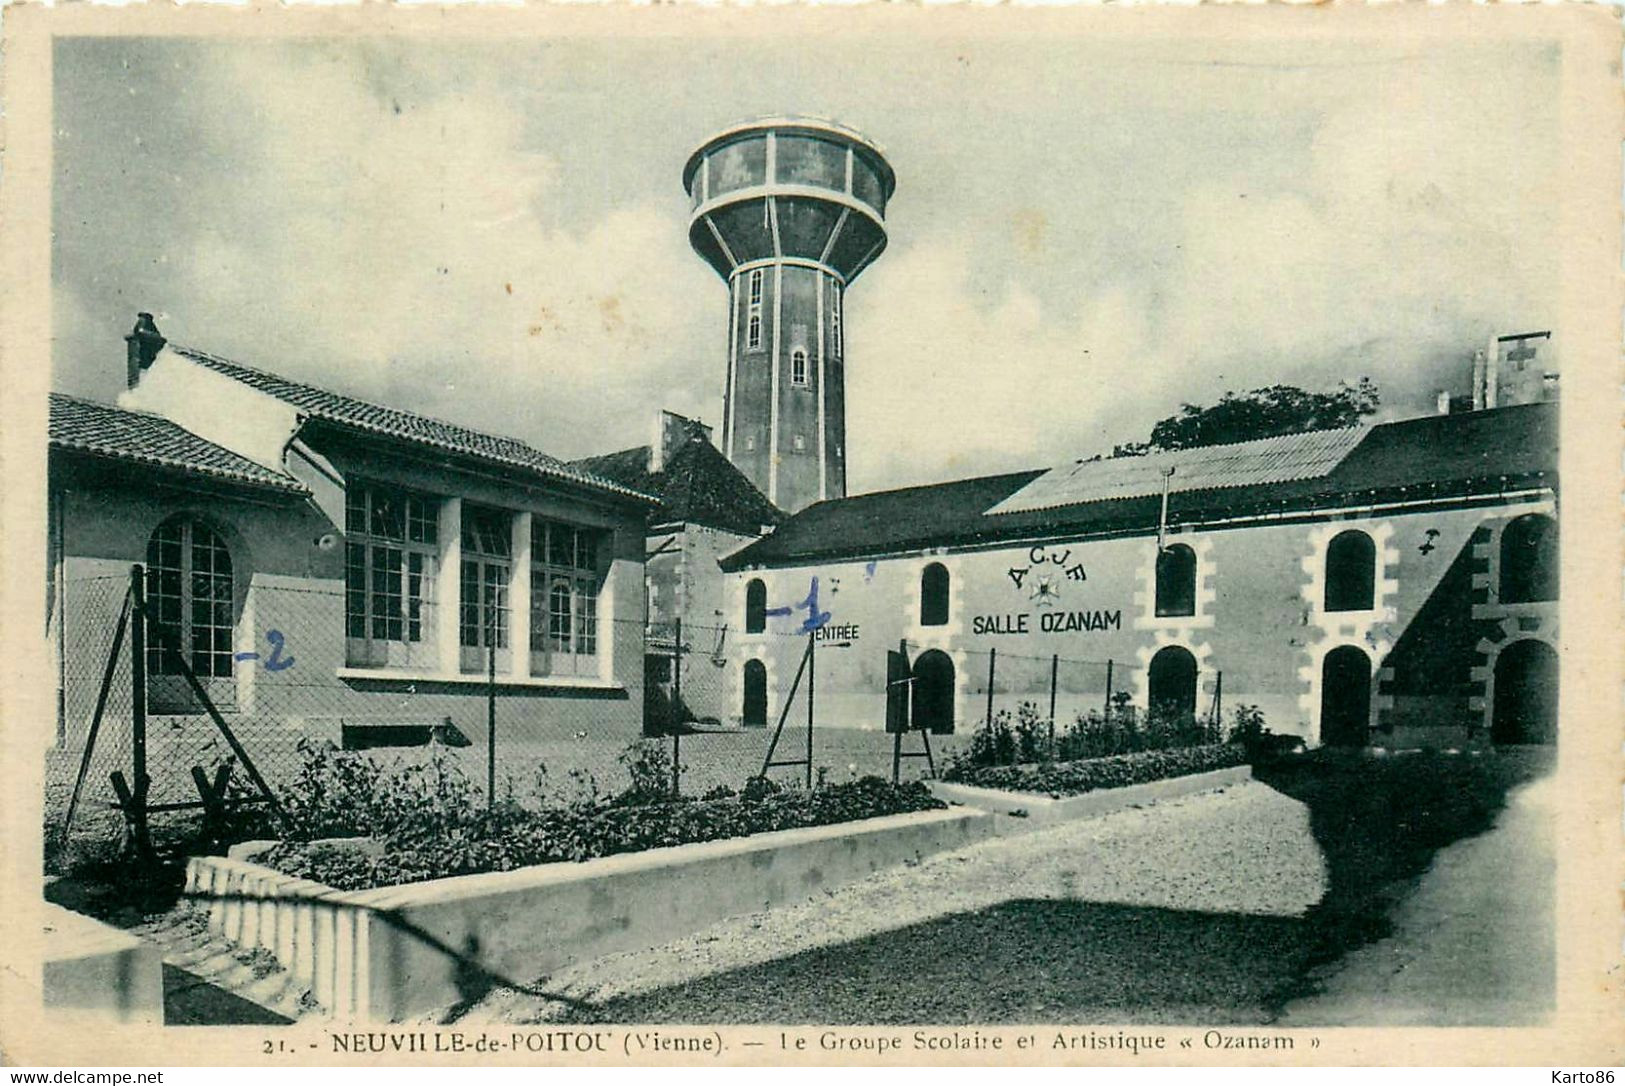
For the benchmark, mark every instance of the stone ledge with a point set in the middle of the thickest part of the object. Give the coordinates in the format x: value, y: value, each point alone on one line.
x: 1041, y: 810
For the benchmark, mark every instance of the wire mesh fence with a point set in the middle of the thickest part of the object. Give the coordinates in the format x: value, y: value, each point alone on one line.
x: 176, y: 678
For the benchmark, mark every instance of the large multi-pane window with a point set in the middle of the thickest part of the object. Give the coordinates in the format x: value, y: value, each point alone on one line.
x: 564, y: 586
x: 189, y: 600
x: 389, y: 567
x: 487, y: 570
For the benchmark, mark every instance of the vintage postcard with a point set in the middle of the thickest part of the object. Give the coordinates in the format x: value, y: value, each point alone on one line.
x: 845, y: 535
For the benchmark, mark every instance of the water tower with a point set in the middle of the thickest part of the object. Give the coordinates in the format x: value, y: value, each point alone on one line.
x: 789, y: 211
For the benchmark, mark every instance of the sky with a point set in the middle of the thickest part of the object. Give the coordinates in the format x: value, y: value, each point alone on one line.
x: 1086, y: 232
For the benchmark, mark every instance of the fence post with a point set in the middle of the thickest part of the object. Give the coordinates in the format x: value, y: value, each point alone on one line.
x: 1054, y: 670
x: 138, y: 708
x: 677, y: 709
x: 1108, y: 709
x: 812, y: 684
x: 992, y: 655
x: 1218, y: 707
x: 491, y: 704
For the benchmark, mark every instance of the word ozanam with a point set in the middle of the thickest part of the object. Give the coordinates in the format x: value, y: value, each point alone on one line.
x: 1048, y: 622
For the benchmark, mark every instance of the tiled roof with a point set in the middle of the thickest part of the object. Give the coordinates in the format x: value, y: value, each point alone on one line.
x: 698, y: 485
x: 375, y: 418
x: 103, y: 430
x: 1440, y: 457
x: 1268, y: 460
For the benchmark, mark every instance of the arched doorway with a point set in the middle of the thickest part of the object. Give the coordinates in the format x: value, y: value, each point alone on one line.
x: 1345, y: 697
x: 1172, y: 681
x: 1525, y: 693
x: 934, y: 692
x: 755, y: 707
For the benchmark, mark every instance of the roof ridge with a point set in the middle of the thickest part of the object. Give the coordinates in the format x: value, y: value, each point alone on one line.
x: 262, y: 372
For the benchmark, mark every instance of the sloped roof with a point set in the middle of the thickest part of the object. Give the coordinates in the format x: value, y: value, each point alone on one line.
x: 347, y: 411
x: 100, y: 429
x: 1439, y: 457
x: 1268, y: 460
x: 697, y: 485
x: 917, y: 516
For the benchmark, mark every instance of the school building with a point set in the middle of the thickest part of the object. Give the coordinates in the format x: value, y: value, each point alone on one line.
x: 1394, y: 584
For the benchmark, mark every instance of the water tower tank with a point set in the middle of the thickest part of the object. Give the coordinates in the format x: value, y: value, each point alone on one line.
x: 789, y: 211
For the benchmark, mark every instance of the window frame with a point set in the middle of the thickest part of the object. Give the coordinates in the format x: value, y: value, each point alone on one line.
x: 487, y: 568
x: 1333, y: 564
x: 936, y: 601
x: 1164, y: 602
x: 798, y: 368
x: 178, y: 610
x: 753, y: 311
x: 755, y: 606
x: 565, y: 557
x: 383, y: 565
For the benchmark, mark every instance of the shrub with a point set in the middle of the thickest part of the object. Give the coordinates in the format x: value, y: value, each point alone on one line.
x: 648, y: 764
x: 1249, y: 732
x: 507, y: 839
x: 1074, y: 778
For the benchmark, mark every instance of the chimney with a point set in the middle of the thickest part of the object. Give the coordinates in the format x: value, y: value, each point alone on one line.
x: 672, y: 432
x: 1442, y: 402
x: 144, y: 342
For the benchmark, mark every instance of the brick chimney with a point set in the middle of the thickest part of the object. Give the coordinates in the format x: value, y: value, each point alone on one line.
x: 144, y: 342
x: 672, y: 432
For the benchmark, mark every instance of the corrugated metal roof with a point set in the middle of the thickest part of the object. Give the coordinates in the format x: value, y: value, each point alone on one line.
x: 1288, y: 458
x: 406, y: 425
x: 103, y: 430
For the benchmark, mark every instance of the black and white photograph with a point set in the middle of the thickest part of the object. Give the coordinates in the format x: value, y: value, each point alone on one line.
x: 876, y: 536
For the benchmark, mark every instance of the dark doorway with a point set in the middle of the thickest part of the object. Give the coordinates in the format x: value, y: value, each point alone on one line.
x: 1345, y: 697
x: 1525, y: 694
x: 755, y: 709
x: 934, y: 692
x: 1172, y: 680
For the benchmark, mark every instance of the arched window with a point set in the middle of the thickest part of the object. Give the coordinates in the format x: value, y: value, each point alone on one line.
x: 798, y: 367
x: 934, y: 595
x: 754, y: 713
x: 1172, y: 680
x: 1351, y: 572
x: 1176, y: 581
x: 934, y: 692
x: 189, y: 599
x: 755, y: 607
x: 1529, y: 562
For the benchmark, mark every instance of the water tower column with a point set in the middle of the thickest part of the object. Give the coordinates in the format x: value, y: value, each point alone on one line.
x: 788, y: 212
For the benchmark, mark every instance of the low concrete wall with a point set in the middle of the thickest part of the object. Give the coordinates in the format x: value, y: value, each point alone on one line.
x: 1046, y: 810
x: 90, y: 966
x: 402, y: 951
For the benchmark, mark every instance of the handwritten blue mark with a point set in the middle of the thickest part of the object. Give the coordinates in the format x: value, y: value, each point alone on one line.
x: 816, y: 619
x: 276, y: 661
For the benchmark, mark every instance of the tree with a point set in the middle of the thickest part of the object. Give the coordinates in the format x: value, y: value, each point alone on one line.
x: 1263, y: 412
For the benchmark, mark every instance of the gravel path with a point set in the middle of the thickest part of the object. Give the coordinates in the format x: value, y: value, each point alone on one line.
x: 1473, y: 945
x: 1184, y: 911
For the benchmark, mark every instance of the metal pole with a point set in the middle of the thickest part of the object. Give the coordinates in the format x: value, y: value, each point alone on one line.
x: 138, y: 692
x: 491, y: 703
x: 677, y: 703
x: 812, y: 683
x: 1054, y: 670
x: 992, y: 655
x: 1218, y: 705
x: 1108, y: 689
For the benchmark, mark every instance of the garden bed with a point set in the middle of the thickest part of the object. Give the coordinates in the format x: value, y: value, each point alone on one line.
x: 510, y: 837
x: 1057, y: 780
